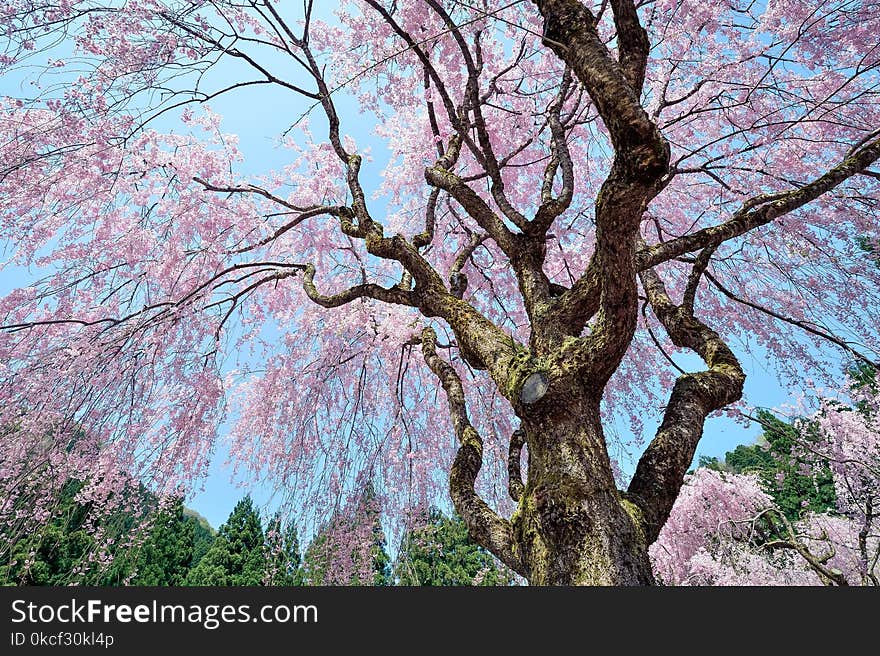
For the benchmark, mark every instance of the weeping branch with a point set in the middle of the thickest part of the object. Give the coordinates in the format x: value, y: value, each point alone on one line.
x: 761, y: 210
x: 803, y: 325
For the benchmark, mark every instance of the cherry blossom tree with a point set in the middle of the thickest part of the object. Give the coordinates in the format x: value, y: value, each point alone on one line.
x: 725, y: 529
x: 573, y: 195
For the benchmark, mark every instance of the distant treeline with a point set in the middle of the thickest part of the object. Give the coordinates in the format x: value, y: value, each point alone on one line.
x: 180, y: 548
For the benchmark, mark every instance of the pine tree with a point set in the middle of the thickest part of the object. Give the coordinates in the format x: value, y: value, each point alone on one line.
x: 284, y: 562
x: 378, y: 549
x: 166, y: 555
x: 439, y: 552
x: 350, y: 549
x: 203, y: 534
x: 61, y: 552
x: 238, y: 555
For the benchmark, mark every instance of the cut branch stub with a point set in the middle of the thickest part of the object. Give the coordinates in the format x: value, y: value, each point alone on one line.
x: 534, y: 388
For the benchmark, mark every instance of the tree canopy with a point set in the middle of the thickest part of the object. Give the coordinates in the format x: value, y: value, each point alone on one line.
x: 556, y: 209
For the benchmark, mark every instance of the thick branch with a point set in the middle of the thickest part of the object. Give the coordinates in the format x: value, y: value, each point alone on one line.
x: 486, y: 155
x: 641, y: 161
x: 661, y: 469
x: 633, y: 43
x: 693, y: 283
x: 475, y: 206
x: 560, y: 160
x: 458, y: 281
x: 485, y: 526
x: 427, y: 235
x: 570, y: 31
x: 526, y: 256
x: 576, y: 306
x: 515, y: 485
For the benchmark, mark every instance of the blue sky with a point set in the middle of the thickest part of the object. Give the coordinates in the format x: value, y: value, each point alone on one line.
x: 257, y: 116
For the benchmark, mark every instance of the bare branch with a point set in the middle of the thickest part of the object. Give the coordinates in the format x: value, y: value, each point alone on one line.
x: 810, y: 328
x: 693, y: 283
x: 816, y: 563
x: 761, y: 210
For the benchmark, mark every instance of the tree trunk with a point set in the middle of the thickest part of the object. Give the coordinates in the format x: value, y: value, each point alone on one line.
x: 573, y: 527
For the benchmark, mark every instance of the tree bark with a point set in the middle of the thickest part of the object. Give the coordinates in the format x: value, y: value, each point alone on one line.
x: 572, y: 526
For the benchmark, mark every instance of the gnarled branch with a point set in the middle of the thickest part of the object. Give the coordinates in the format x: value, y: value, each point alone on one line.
x: 485, y: 526
x: 367, y: 290
x: 661, y: 469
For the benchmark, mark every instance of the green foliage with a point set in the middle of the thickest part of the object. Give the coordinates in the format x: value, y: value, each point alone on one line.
x: 317, y: 558
x: 796, y: 489
x: 54, y: 552
x: 752, y: 458
x: 864, y: 378
x: 440, y: 553
x: 203, y: 534
x: 710, y: 462
x: 59, y: 553
x: 284, y: 562
x: 238, y: 555
x: 181, y: 548
x: 166, y: 555
x: 871, y: 248
x: 378, y: 548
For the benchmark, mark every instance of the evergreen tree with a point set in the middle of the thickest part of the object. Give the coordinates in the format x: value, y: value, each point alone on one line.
x: 60, y: 553
x: 795, y: 488
x: 439, y: 552
x: 166, y: 556
x: 203, y: 534
x: 350, y: 549
x: 238, y: 555
x: 378, y: 549
x: 50, y: 556
x: 750, y: 458
x: 282, y: 554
